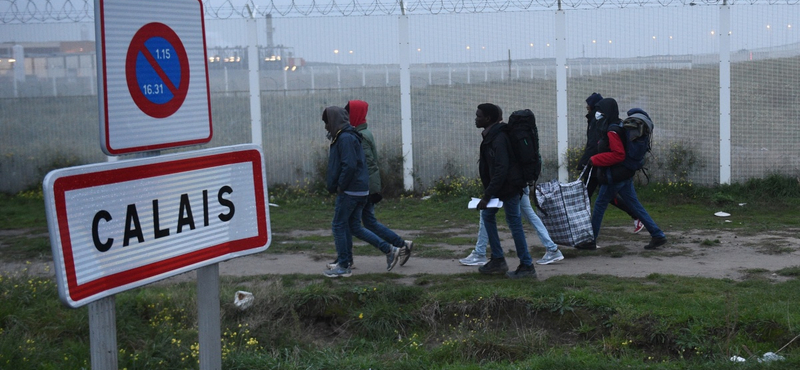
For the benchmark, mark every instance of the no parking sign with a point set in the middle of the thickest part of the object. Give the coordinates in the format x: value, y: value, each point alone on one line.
x: 154, y: 78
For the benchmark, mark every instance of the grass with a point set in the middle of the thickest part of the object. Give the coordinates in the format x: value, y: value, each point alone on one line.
x: 586, y: 321
x: 389, y: 321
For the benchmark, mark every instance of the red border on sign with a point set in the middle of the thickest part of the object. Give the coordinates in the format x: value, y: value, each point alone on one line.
x: 62, y: 185
x: 179, y: 92
x: 147, y: 148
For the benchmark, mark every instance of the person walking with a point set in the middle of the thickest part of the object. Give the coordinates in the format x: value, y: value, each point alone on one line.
x: 614, y: 178
x: 498, y: 174
x: 593, y: 135
x: 478, y: 256
x: 357, y: 110
x: 348, y: 178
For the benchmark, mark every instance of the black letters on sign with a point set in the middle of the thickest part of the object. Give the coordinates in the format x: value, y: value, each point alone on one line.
x: 132, y: 216
x: 186, y: 208
x: 102, y: 247
x: 225, y: 202
x: 133, y: 227
x: 159, y: 233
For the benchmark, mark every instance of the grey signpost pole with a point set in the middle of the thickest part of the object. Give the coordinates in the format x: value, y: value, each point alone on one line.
x: 208, y: 320
x: 103, y: 333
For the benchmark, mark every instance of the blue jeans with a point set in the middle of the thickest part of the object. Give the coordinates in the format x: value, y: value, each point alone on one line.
x: 514, y: 221
x: 347, y: 223
x: 527, y: 210
x: 628, y: 194
x: 378, y: 229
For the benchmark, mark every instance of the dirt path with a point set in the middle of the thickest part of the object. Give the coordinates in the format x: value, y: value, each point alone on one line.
x: 688, y: 254
x: 711, y: 254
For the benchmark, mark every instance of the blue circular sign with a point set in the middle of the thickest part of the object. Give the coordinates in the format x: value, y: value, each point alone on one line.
x: 157, y: 70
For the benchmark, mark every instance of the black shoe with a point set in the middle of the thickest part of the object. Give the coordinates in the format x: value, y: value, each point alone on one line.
x: 588, y: 246
x: 495, y: 266
x: 656, y: 242
x: 522, y: 272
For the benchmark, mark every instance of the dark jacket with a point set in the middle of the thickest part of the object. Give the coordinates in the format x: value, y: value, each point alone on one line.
x: 358, y: 119
x: 611, y: 146
x: 592, y: 137
x: 347, y: 167
x: 498, y: 171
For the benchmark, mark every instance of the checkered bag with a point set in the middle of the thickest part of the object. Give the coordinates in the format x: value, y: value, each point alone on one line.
x: 565, y: 211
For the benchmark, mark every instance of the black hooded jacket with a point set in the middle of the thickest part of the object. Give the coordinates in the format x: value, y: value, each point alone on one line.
x: 610, y: 110
x: 592, y: 137
x: 498, y: 171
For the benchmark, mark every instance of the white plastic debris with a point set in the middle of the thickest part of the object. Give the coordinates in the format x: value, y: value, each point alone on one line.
x: 737, y: 359
x: 770, y: 356
x: 243, y: 299
x: 722, y: 214
x: 742, y: 204
x: 426, y: 197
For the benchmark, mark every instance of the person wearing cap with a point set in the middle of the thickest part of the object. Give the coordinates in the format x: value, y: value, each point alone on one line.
x: 593, y: 135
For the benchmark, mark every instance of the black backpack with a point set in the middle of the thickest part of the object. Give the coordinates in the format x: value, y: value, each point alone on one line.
x: 524, y: 137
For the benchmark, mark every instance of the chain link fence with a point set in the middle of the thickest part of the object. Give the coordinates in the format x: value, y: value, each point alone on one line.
x: 659, y: 56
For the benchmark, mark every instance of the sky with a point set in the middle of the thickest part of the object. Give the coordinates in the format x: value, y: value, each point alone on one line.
x: 607, y: 32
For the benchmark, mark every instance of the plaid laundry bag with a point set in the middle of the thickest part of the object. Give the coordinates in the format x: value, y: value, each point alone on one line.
x: 565, y: 212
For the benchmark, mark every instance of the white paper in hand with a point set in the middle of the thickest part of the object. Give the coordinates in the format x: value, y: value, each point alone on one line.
x: 493, y: 203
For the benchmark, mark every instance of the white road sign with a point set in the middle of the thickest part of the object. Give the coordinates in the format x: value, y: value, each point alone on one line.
x: 153, y: 76
x: 118, y: 225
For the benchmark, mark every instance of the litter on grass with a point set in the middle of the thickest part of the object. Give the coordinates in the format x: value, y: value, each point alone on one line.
x: 243, y: 299
x: 722, y: 214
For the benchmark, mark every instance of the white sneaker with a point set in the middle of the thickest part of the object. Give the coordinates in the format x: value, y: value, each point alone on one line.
x: 474, y: 260
x: 550, y: 257
x: 333, y: 265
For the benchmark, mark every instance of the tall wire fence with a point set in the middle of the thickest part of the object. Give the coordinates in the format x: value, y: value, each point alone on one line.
x: 659, y: 56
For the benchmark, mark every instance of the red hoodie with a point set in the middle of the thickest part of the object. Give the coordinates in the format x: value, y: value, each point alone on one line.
x: 358, y: 112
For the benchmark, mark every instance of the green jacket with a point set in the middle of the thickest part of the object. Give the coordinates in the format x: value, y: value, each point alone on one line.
x: 371, y: 153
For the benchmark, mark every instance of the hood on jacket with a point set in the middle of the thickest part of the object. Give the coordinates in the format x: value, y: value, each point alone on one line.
x: 358, y: 112
x: 335, y: 118
x: 609, y: 108
x: 593, y: 99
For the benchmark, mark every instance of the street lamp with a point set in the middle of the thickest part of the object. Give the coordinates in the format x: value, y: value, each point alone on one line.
x: 769, y: 29
x: 655, y: 46
x: 669, y: 43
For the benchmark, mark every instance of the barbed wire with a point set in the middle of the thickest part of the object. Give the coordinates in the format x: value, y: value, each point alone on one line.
x: 45, y: 11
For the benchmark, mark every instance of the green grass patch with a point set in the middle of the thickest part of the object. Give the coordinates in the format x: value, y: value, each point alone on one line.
x: 463, y: 322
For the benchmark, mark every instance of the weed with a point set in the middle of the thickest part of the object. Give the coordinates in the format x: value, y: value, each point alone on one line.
x: 680, y: 161
x: 710, y: 243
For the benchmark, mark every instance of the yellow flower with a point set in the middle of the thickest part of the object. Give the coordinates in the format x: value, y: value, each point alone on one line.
x: 361, y: 315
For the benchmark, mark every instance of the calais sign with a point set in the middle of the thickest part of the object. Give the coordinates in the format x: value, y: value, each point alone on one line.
x: 119, y: 225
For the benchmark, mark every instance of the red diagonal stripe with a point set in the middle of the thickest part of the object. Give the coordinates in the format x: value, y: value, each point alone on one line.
x: 159, y: 70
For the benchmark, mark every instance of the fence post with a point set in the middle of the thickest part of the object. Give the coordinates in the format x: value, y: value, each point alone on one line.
x: 724, y: 93
x: 312, y: 79
x: 253, y: 63
x: 561, y: 94
x: 405, y: 100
